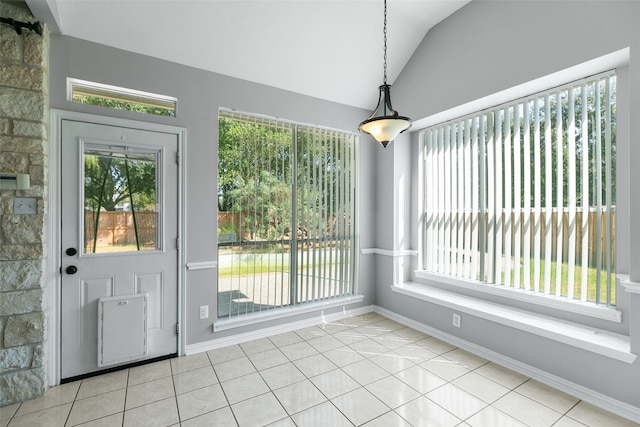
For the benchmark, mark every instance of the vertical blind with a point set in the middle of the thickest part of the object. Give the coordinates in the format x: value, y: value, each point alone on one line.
x: 286, y: 221
x: 523, y: 194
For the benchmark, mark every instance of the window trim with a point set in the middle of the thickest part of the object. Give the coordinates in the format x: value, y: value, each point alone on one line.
x: 603, y: 64
x: 123, y: 94
x: 353, y: 297
x: 611, y: 314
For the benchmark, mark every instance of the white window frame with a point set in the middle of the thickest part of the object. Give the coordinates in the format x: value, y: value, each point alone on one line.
x: 602, y: 64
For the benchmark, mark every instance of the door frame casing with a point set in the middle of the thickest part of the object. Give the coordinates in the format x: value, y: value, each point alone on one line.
x: 53, y: 279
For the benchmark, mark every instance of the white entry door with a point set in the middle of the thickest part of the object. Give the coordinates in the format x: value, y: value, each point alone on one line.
x: 119, y: 197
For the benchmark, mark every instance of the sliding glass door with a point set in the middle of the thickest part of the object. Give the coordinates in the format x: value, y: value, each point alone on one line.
x: 286, y: 214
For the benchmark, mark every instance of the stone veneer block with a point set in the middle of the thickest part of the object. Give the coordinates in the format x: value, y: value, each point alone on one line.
x: 32, y: 129
x: 9, y: 49
x: 33, y: 52
x: 13, y: 359
x: 17, y: 76
x: 14, y: 162
x: 22, y: 145
x: 19, y: 275
x: 22, y: 229
x: 21, y: 385
x: 20, y: 302
x: 31, y: 106
x: 24, y: 329
x: 20, y: 252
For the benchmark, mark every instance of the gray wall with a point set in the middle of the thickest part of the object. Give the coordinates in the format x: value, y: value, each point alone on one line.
x: 200, y: 94
x: 484, y: 48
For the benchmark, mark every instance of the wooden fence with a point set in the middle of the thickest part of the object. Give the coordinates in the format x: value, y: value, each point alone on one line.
x: 117, y: 229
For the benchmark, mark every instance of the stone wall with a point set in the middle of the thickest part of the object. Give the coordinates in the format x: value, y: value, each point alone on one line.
x: 24, y: 113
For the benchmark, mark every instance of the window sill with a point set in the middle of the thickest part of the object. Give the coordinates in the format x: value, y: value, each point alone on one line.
x: 551, y: 301
x: 251, y: 319
x: 597, y: 341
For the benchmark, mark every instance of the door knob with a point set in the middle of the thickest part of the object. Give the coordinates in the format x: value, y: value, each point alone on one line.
x: 72, y: 269
x: 71, y: 251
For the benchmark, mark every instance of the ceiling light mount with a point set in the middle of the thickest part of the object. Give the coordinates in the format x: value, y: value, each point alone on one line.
x: 384, y: 123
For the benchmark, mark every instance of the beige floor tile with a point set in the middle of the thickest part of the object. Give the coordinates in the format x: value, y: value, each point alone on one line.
x: 311, y: 332
x: 325, y: 343
x: 286, y: 338
x: 189, y: 363
x: 457, y: 401
x: 423, y: 412
x: 435, y: 345
x: 481, y: 387
x: 420, y: 379
x: 50, y: 417
x: 491, y: 416
x: 503, y: 376
x: 360, y: 406
x: 445, y: 368
x: 152, y: 371
x: 158, y: 414
x: 415, y: 353
x: 390, y: 419
x: 201, y: 401
x: 324, y: 414
x: 225, y: 354
x: 96, y: 407
x: 334, y: 383
x: 258, y: 411
x: 593, y: 416
x: 7, y: 412
x: 148, y: 392
x: 392, y: 362
x: 411, y: 334
x: 268, y: 359
x: 466, y: 359
x: 233, y: 369
x: 568, y: 422
x: 392, y: 392
x: 299, y: 396
x: 391, y: 340
x: 220, y: 418
x: 548, y: 396
x: 103, y: 384
x: 244, y: 387
x: 365, y: 372
x: 114, y: 420
x: 314, y: 365
x: 526, y: 410
x: 55, y: 396
x: 298, y: 350
x: 349, y: 336
x: 334, y: 327
x: 192, y: 380
x: 257, y: 346
x: 286, y: 422
x: 369, y: 348
x: 343, y: 356
x: 282, y: 375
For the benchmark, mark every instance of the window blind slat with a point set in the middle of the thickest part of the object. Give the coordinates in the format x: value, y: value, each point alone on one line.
x: 584, y: 144
x: 548, y: 195
x: 537, y: 232
x: 571, y: 185
x: 526, y: 201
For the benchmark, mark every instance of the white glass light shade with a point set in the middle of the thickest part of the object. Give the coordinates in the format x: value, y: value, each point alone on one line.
x: 385, y: 129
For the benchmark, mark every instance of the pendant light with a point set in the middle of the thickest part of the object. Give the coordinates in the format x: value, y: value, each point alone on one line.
x: 384, y: 123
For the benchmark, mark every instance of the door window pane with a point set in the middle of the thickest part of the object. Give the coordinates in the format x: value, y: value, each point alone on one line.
x: 121, y: 207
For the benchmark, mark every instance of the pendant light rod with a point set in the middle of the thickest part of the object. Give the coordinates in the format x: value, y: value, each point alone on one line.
x: 384, y: 123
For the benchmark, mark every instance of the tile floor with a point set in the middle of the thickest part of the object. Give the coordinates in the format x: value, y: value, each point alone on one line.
x: 364, y: 370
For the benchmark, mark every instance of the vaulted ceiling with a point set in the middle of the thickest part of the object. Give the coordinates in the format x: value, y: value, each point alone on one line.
x: 329, y: 49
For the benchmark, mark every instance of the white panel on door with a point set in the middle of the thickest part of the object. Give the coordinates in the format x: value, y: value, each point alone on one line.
x: 152, y: 284
x: 122, y: 329
x: 90, y: 291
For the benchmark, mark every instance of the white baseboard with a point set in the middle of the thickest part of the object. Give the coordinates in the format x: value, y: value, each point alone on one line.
x: 583, y: 393
x: 274, y: 330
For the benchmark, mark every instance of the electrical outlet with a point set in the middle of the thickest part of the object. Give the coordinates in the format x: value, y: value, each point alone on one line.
x: 457, y: 320
x: 204, y: 312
